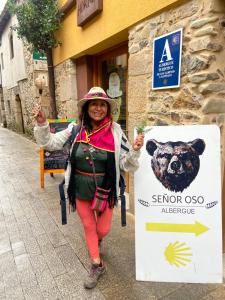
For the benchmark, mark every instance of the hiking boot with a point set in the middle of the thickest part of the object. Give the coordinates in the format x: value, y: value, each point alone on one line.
x: 95, y: 272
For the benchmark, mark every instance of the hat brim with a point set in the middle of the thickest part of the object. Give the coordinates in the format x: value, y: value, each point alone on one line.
x: 112, y: 103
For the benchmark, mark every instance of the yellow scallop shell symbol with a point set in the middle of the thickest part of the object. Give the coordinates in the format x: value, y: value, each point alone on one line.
x: 177, y: 253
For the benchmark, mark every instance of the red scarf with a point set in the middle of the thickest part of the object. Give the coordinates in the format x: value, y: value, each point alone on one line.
x: 101, y: 138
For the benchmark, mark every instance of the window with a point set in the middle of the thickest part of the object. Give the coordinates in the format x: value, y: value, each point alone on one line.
x: 9, y: 107
x: 11, y: 46
x: 2, y: 60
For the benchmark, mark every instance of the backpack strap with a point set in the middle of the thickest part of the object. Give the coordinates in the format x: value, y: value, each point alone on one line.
x: 69, y: 142
x: 63, y: 202
x: 122, y: 185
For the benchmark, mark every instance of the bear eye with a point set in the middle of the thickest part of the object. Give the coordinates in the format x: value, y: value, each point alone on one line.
x: 186, y: 156
x: 168, y: 156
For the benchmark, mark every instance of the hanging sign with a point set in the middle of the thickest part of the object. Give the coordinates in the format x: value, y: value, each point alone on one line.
x: 167, y: 60
x: 87, y: 10
x: 39, y: 56
x: 178, y: 227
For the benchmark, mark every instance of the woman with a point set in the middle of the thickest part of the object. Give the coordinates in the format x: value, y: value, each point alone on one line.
x: 99, y: 151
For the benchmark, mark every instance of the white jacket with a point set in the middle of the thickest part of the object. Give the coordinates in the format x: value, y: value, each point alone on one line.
x: 126, y: 160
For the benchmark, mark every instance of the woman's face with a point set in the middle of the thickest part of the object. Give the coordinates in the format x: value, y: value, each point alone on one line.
x: 97, y: 110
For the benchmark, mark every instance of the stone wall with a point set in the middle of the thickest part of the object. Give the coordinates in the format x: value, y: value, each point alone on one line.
x: 200, y: 98
x: 66, y: 89
x: 20, y: 100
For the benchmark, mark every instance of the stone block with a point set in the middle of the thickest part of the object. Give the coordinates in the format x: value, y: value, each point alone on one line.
x: 139, y: 27
x: 137, y: 94
x: 198, y: 78
x: 139, y: 64
x: 146, y: 31
x: 206, y: 31
x: 134, y: 49
x: 211, y: 88
x: 186, y: 100
x: 185, y: 11
x: 143, y: 43
x: 193, y: 64
x: 205, y: 43
x: 213, y: 106
x: 188, y: 116
x: 175, y: 117
x: 207, y: 119
x: 215, y: 6
x: 220, y: 120
x: 203, y: 21
x: 160, y: 122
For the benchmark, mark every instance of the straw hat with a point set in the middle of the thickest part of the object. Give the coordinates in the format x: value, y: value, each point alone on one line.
x: 97, y: 93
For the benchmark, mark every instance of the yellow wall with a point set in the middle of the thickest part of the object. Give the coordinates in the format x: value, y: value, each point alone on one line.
x: 105, y: 30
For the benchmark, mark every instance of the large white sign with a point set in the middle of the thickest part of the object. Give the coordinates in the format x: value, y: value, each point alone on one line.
x: 178, y: 205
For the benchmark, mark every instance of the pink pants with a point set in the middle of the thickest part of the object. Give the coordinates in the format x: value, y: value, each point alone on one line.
x: 95, y: 227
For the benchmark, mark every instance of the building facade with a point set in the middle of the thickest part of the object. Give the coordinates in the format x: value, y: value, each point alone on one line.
x: 19, y: 71
x: 110, y: 43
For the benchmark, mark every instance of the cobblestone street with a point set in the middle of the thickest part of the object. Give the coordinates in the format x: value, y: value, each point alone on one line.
x: 41, y: 259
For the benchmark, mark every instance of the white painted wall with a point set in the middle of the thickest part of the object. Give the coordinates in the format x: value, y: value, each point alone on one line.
x: 2, y: 4
x: 14, y: 69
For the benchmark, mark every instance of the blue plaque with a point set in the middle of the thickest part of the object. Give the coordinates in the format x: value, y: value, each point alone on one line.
x: 167, y: 60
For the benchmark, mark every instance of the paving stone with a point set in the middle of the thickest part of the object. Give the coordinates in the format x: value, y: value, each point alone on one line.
x: 36, y: 226
x: 76, y: 241
x: 2, y: 288
x: 14, y: 293
x: 27, y: 279
x: 47, y: 284
x: 33, y: 293
x: 53, y: 294
x: 67, y: 284
x: 217, y: 294
x: 3, y: 231
x: 191, y: 291
x: 7, y: 262
x: 69, y: 259
x: 86, y: 295
x: 51, y: 258
x: 38, y: 263
x: 32, y: 245
x: 57, y: 238
x: 22, y: 262
x: 123, y: 290
x: 18, y: 248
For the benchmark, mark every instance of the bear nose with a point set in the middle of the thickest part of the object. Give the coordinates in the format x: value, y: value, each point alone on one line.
x: 175, y: 165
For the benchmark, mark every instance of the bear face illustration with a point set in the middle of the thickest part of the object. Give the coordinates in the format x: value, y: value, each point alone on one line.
x: 175, y: 164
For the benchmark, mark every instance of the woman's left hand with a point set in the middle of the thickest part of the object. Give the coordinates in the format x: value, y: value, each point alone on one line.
x: 138, y: 142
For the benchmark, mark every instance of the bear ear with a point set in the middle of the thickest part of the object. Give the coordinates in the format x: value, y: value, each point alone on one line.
x: 151, y: 146
x: 198, y: 145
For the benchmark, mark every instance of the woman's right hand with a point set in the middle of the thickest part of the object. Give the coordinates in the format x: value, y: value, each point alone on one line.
x: 39, y: 115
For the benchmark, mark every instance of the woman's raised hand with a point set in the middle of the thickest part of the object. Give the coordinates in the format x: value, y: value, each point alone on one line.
x: 39, y: 115
x: 138, y: 142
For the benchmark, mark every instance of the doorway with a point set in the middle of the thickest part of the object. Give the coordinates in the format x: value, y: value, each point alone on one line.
x: 110, y: 72
x: 19, y: 115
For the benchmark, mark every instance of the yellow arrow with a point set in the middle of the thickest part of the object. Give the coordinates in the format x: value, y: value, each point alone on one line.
x: 196, y: 228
